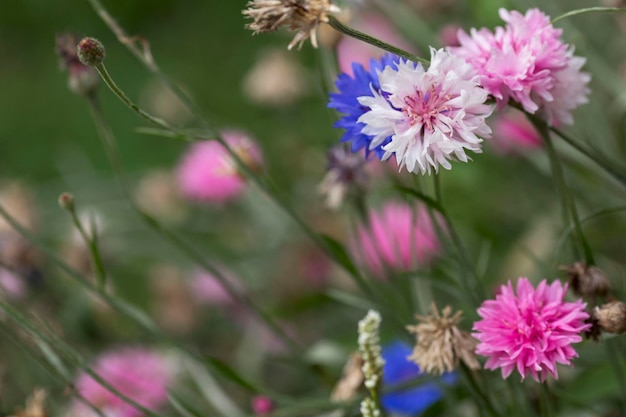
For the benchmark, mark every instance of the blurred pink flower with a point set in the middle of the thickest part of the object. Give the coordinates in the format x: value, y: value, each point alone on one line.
x: 527, y: 61
x: 513, y: 133
x: 448, y: 35
x: 351, y: 50
x: 262, y: 405
x: 138, y: 373
x: 209, y: 174
x: 529, y: 329
x: 207, y: 289
x: 397, y: 238
x: 11, y: 284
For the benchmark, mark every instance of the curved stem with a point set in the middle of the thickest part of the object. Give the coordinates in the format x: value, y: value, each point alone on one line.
x: 588, y: 10
x: 601, y: 161
x: 346, y: 30
x: 567, y: 200
x: 110, y: 144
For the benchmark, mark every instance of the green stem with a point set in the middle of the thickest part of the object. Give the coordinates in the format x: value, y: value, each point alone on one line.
x: 72, y: 357
x: 588, y: 10
x: 567, y: 200
x: 110, y: 144
x: 462, y: 252
x: 92, y: 243
x: 265, y: 186
x: 601, y: 161
x: 546, y: 403
x: 477, y: 391
x: 63, y: 380
x: 613, y: 353
x: 340, y: 27
x: 124, y: 98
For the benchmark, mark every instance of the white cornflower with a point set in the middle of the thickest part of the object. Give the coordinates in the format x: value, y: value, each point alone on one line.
x: 432, y: 115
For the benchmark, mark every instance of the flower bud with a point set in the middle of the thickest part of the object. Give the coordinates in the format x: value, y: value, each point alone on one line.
x: 66, y: 201
x: 587, y: 280
x: 611, y: 317
x: 90, y: 52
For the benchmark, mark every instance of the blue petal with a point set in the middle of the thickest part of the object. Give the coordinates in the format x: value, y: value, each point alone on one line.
x: 346, y: 102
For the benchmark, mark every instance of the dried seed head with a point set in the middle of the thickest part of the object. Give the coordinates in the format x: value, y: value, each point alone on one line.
x: 587, y: 280
x: 611, y: 317
x: 441, y: 344
x: 34, y: 405
x: 90, y: 51
x: 350, y: 381
x: 303, y: 16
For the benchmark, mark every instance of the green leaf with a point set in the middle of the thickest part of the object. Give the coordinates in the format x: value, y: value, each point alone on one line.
x: 229, y: 373
x: 420, y: 196
x: 340, y: 254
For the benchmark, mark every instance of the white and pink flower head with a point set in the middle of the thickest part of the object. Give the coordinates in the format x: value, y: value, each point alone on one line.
x: 208, y: 173
x: 526, y: 61
x: 397, y: 238
x: 432, y: 116
x: 530, y: 329
x: 140, y: 374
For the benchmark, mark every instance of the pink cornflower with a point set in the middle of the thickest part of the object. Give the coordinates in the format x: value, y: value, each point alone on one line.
x: 397, y: 238
x: 207, y: 289
x: 529, y: 329
x: 431, y: 115
x: 208, y: 173
x: 140, y: 374
x: 262, y: 405
x: 526, y: 61
x: 513, y: 133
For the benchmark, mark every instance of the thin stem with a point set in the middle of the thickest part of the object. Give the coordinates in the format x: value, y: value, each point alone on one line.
x: 546, y: 403
x: 92, y: 243
x: 477, y: 391
x: 567, y: 200
x: 613, y: 353
x: 124, y: 98
x: 346, y: 30
x: 264, y: 185
x: 110, y: 144
x: 588, y: 10
x: 71, y: 356
x: 463, y: 254
x: 144, y: 55
x: 601, y: 161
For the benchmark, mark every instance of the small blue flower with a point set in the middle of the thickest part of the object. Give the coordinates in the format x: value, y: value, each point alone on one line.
x: 397, y: 370
x: 346, y: 101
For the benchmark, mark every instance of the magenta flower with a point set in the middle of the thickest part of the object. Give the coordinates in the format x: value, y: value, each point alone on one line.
x: 207, y: 172
x: 397, y: 238
x: 140, y: 374
x: 529, y: 329
x: 526, y: 61
x: 432, y: 116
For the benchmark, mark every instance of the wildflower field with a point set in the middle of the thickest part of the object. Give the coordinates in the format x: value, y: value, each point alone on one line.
x: 313, y: 208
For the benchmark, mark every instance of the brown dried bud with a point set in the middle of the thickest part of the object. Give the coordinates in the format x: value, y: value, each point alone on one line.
x: 303, y: 16
x: 587, y: 280
x: 90, y: 52
x: 611, y: 317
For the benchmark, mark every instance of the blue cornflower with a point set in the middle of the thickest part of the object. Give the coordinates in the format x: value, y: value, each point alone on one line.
x: 346, y: 102
x: 397, y: 370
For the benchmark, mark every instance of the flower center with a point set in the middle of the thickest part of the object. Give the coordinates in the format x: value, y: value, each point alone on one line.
x: 425, y: 108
